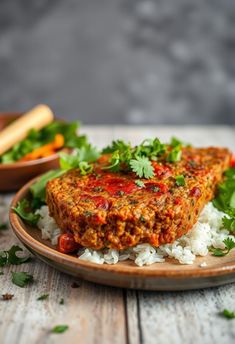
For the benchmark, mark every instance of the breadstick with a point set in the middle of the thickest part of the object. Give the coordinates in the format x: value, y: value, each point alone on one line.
x: 37, y: 118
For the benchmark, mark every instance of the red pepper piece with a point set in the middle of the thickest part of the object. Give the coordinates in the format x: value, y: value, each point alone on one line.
x: 67, y: 244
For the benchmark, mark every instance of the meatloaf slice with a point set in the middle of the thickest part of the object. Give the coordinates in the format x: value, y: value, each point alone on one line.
x: 111, y: 210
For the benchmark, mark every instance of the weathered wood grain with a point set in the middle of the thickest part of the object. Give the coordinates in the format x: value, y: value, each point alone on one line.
x: 97, y: 314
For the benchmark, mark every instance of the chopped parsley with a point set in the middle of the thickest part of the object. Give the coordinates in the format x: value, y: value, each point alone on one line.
x: 140, y: 183
x: 179, y: 180
x: 228, y: 314
x: 61, y: 301
x: 21, y: 279
x: 60, y: 329
x: 120, y: 193
x: 43, y: 297
x: 10, y: 257
x: 175, y: 154
x: 229, y: 245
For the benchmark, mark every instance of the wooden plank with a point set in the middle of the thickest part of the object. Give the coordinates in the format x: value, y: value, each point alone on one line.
x: 187, y: 317
x: 91, y: 311
x: 132, y: 317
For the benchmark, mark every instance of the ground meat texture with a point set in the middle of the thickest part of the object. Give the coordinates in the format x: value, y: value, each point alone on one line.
x: 108, y: 210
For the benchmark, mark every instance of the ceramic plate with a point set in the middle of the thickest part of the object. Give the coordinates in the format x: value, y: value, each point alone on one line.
x: 169, y: 275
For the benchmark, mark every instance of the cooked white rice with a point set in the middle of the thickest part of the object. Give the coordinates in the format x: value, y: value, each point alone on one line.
x: 207, y: 232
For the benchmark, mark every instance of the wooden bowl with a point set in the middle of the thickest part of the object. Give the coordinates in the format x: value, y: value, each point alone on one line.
x: 169, y: 275
x: 14, y: 175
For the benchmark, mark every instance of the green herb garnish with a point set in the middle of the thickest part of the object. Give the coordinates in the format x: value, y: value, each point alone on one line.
x: 137, y: 159
x: 38, y: 189
x: 60, y: 329
x: 179, y: 180
x: 10, y: 257
x: 43, y: 297
x: 140, y: 183
x: 3, y: 226
x: 228, y: 314
x: 175, y: 154
x: 61, y: 301
x: 225, y: 200
x: 23, y: 210
x: 21, y: 279
x: 142, y: 167
x: 229, y: 245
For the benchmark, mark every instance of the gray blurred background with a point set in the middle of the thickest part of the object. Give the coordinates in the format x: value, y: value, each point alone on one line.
x: 120, y: 61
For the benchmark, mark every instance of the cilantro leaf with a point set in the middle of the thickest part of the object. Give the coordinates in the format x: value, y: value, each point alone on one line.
x: 60, y: 329
x: 13, y: 259
x: 10, y: 257
x: 21, y: 279
x: 229, y: 245
x: 80, y: 159
x: 179, y: 180
x: 229, y: 223
x: 225, y: 199
x: 142, y: 167
x: 43, y: 297
x: 22, y: 209
x: 228, y: 314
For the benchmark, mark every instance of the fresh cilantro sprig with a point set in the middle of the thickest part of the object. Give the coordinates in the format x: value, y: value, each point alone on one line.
x: 23, y: 210
x: 137, y: 159
x: 10, y: 257
x: 218, y: 252
x: 225, y: 200
x: 21, y: 279
x: 81, y: 159
x: 142, y: 167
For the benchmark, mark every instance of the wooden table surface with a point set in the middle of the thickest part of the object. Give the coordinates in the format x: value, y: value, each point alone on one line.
x: 98, y: 314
